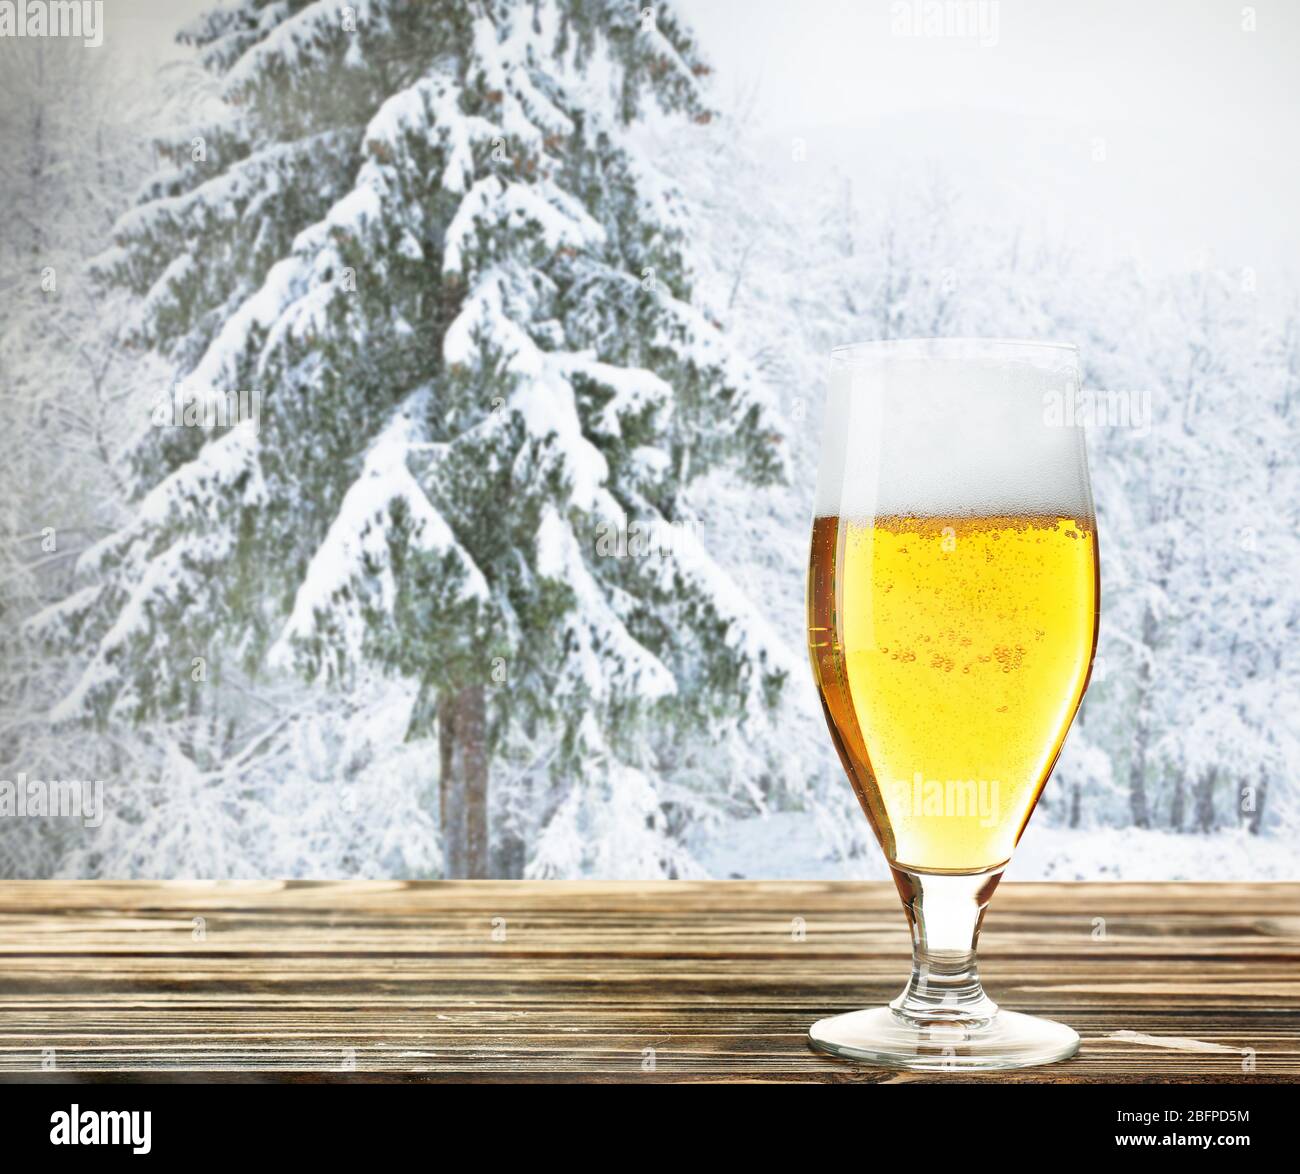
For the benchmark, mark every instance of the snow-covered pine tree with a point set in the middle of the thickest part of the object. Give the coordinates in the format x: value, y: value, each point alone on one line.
x: 423, y: 237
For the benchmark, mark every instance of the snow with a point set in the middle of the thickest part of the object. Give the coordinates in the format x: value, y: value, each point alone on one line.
x: 604, y: 660
x: 608, y: 829
x: 196, y: 494
x: 634, y: 389
x: 748, y: 633
x: 166, y: 290
x: 791, y: 845
x: 664, y: 50
x: 285, y: 281
x: 291, y: 43
x: 160, y: 591
x: 326, y: 791
x: 538, y: 108
x: 492, y: 204
x: 460, y: 132
x: 225, y: 198
x: 64, y: 614
x: 356, y: 550
x: 432, y: 107
x: 544, y: 398
x: 1137, y: 854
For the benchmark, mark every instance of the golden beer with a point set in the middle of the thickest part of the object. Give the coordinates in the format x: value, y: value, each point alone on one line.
x: 951, y: 654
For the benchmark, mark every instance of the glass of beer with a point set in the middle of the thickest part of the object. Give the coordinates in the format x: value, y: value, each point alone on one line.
x: 952, y: 619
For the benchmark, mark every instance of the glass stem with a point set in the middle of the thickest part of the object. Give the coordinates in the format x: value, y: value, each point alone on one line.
x: 945, y: 913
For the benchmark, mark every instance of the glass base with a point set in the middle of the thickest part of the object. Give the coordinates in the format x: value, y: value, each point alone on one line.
x: 883, y: 1036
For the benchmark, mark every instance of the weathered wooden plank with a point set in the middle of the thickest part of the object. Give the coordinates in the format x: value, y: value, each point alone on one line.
x: 698, y: 981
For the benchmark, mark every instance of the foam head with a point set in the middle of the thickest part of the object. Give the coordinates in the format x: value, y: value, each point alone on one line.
x: 952, y: 427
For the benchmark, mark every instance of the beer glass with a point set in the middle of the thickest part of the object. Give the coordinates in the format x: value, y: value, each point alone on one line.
x: 952, y: 619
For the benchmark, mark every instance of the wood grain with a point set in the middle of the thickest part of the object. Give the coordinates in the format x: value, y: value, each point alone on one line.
x: 412, y: 981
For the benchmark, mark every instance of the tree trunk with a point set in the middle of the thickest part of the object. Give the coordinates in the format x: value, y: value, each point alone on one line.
x: 510, y: 857
x: 1205, y: 800
x: 1137, y: 783
x: 1177, y: 810
x: 1255, y: 817
x: 463, y: 786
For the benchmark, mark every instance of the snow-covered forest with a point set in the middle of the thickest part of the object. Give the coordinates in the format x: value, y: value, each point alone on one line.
x: 410, y: 423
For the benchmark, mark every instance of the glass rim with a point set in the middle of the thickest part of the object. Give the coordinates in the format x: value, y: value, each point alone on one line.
x: 944, y: 347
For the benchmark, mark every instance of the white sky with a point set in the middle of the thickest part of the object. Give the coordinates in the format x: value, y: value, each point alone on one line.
x: 1198, y: 117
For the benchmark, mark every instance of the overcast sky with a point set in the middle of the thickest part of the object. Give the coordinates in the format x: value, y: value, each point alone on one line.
x: 1194, y: 116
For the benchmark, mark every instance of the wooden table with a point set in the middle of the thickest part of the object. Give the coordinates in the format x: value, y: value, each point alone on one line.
x: 614, y: 981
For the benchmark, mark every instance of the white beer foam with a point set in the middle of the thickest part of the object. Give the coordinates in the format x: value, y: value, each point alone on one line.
x: 952, y: 428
